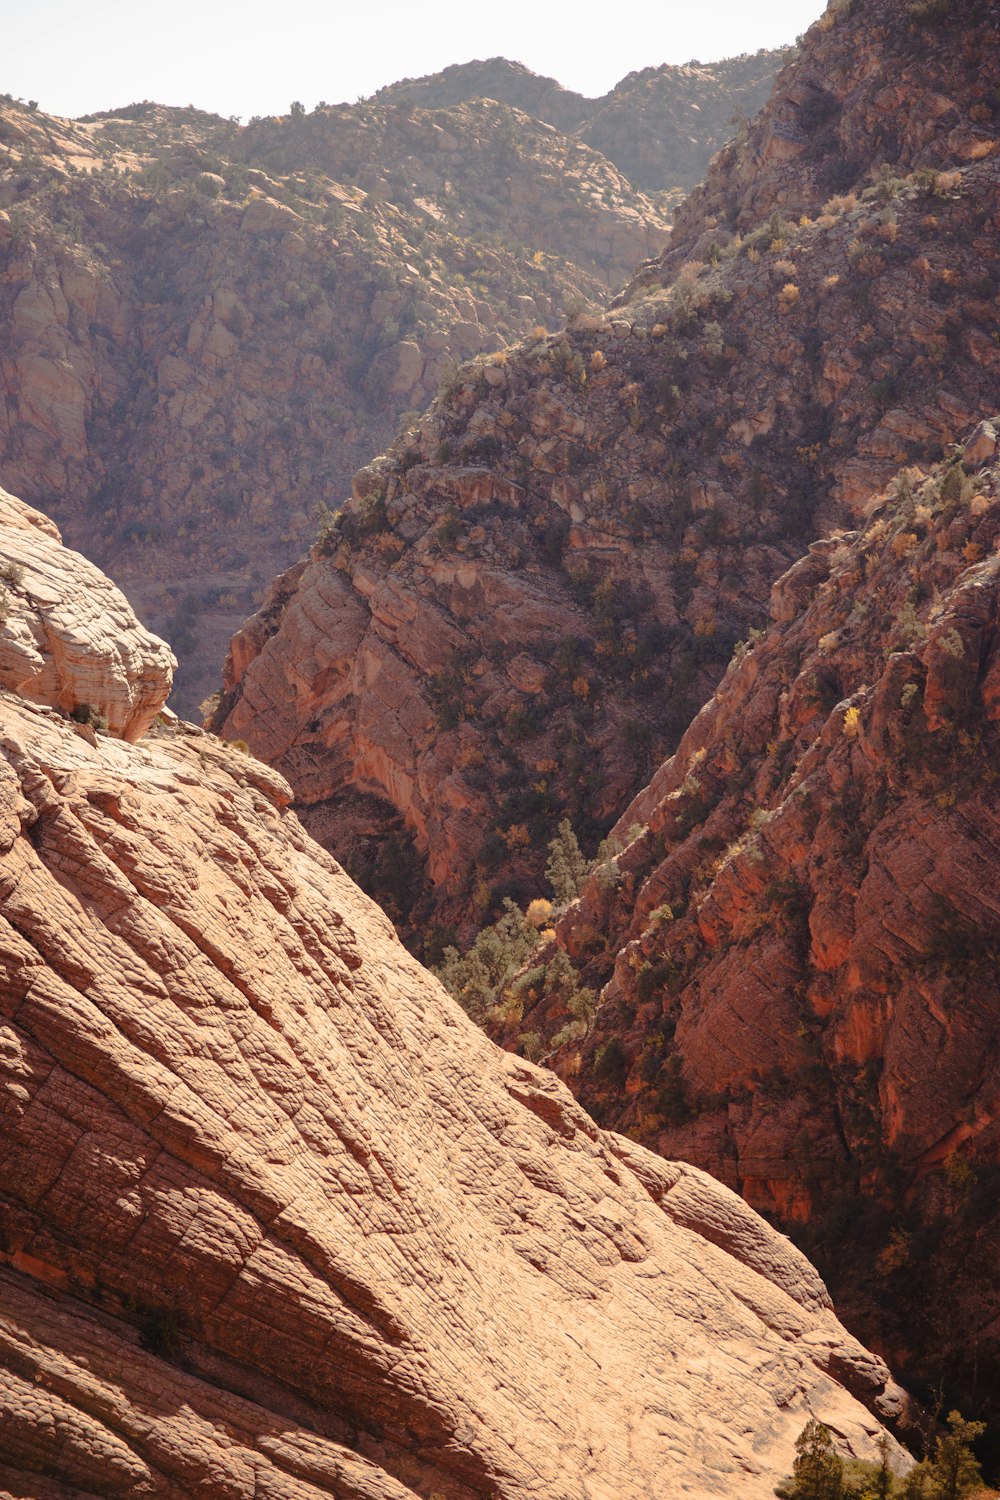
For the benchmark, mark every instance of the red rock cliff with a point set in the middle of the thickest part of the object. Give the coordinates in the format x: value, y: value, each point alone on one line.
x: 524, y: 603
x: 796, y: 952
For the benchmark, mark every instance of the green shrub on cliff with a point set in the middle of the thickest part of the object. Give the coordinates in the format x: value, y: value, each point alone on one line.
x: 821, y: 1473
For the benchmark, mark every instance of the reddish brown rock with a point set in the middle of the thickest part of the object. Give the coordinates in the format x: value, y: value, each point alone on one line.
x: 660, y: 125
x: 194, y: 362
x: 615, y: 502
x: 795, y: 953
x: 276, y: 1215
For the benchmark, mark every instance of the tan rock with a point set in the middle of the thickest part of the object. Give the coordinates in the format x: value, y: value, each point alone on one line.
x: 409, y: 366
x: 982, y: 446
x: 365, y: 1252
x: 264, y: 216
x: 68, y: 638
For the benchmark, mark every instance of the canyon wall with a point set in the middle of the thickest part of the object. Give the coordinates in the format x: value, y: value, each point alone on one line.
x: 794, y: 955
x: 204, y: 328
x: 524, y: 602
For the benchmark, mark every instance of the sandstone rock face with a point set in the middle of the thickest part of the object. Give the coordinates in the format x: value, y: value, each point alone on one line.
x: 523, y: 605
x: 276, y: 1218
x: 204, y: 329
x: 68, y: 638
x: 795, y: 953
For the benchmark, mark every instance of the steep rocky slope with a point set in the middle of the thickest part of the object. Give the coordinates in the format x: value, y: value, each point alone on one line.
x: 660, y: 125
x: 880, y: 89
x: 204, y: 329
x: 795, y: 954
x: 524, y: 602
x: 275, y: 1218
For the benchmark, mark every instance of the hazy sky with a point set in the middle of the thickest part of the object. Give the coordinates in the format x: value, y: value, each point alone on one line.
x: 254, y: 58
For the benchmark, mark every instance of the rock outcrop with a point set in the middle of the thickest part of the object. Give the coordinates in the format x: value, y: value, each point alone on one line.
x: 876, y: 92
x: 525, y: 601
x: 276, y: 1218
x: 795, y: 954
x: 68, y: 638
x: 660, y: 126
x: 205, y: 329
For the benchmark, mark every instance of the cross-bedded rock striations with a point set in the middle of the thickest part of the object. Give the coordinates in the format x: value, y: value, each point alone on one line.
x: 526, y: 600
x: 204, y: 328
x: 68, y: 638
x: 276, y: 1218
x: 796, y: 953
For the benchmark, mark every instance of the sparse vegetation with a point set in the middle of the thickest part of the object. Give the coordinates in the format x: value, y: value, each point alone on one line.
x: 950, y: 1473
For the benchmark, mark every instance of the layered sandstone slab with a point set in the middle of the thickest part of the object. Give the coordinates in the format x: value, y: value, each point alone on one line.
x: 277, y: 1219
x: 68, y: 637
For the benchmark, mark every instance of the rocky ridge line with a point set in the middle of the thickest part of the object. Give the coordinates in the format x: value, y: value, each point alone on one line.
x: 204, y: 328
x: 659, y: 125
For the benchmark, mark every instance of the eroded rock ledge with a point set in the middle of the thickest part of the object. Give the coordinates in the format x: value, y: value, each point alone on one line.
x: 68, y: 637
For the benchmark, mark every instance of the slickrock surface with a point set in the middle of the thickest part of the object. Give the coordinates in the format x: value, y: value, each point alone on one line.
x: 206, y: 328
x: 524, y: 603
x: 797, y: 955
x: 68, y: 637
x: 276, y: 1218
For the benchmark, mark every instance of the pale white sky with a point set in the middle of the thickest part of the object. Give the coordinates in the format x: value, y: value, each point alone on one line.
x: 245, y: 57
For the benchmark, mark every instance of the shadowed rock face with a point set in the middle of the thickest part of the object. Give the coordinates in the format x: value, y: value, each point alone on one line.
x: 797, y: 951
x: 525, y: 602
x: 276, y: 1218
x: 206, y: 328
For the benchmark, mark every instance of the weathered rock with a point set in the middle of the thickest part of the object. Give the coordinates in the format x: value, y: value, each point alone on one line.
x: 982, y: 446
x: 209, y: 355
x: 795, y: 951
x: 275, y: 1215
x: 618, y: 506
x: 661, y: 126
x: 68, y: 638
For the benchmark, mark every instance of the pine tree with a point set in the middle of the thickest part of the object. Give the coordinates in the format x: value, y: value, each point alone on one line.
x: 818, y: 1471
x: 953, y: 1469
x: 566, y: 869
x: 882, y: 1481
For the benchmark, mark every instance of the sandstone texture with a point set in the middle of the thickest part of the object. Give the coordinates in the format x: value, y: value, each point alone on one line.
x: 522, y: 605
x: 206, y: 328
x: 68, y: 638
x: 277, y: 1219
x: 795, y: 952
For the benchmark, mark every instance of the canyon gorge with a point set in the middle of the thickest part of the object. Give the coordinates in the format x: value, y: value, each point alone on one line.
x: 543, y: 481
